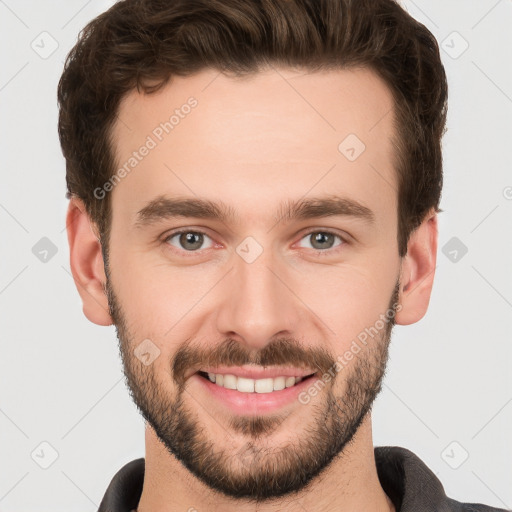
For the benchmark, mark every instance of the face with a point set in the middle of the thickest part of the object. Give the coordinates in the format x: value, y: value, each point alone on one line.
x: 247, y: 236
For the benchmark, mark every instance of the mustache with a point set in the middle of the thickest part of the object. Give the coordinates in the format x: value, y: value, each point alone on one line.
x: 279, y: 352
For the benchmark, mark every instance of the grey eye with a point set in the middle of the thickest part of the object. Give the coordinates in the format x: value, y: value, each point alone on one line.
x: 188, y: 240
x: 321, y: 240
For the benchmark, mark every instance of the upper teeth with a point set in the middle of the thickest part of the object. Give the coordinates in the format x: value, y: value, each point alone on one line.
x: 251, y: 385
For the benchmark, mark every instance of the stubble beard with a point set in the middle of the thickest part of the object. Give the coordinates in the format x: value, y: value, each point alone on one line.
x: 254, y: 470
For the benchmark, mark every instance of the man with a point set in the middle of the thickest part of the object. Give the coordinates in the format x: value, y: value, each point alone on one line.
x: 254, y: 194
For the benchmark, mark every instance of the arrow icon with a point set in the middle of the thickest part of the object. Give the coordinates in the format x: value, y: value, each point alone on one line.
x: 249, y: 249
x: 44, y: 455
x: 44, y: 250
x: 146, y: 352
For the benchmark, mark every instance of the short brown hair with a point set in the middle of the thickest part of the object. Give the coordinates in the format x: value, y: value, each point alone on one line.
x: 143, y: 43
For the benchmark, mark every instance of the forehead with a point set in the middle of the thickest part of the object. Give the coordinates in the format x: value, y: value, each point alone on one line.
x: 252, y: 139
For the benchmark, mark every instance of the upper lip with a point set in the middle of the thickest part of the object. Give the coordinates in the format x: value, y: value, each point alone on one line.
x: 249, y: 372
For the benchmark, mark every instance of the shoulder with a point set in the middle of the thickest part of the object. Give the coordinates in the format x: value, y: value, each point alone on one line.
x: 125, y: 488
x: 457, y: 506
x: 412, y: 486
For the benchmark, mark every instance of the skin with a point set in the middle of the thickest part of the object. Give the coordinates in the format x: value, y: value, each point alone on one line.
x: 251, y: 143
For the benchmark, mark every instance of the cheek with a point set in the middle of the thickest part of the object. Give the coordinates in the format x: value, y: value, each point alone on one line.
x: 160, y: 304
x: 151, y: 293
x: 349, y: 300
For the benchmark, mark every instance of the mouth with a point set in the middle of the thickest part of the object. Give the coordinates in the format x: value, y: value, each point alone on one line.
x: 244, y: 396
x: 248, y: 385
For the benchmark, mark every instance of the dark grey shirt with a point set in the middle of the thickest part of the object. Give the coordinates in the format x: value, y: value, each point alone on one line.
x: 405, y: 478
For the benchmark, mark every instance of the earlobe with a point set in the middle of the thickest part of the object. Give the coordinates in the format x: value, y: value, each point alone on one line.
x: 417, y: 273
x: 86, y: 261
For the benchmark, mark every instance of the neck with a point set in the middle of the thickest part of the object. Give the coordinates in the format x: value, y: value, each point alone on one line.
x: 349, y: 483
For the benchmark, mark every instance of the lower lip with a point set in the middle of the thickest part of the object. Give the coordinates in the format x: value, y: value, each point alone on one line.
x: 254, y: 403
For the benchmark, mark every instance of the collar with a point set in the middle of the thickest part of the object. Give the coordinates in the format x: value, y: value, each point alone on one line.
x: 405, y: 478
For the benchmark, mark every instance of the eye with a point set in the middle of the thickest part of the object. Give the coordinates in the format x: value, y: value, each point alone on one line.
x: 188, y: 240
x: 322, y: 240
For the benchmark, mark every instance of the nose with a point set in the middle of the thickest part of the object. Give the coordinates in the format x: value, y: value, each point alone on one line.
x: 259, y: 303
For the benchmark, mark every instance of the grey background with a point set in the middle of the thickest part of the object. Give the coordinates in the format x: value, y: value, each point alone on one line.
x: 448, y: 392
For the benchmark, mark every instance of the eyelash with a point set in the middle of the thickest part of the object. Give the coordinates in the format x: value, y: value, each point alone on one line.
x: 318, y: 252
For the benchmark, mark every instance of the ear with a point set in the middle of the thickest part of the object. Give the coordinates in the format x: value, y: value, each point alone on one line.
x: 86, y: 260
x: 417, y: 271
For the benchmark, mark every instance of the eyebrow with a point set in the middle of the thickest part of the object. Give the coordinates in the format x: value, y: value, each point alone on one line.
x: 162, y: 208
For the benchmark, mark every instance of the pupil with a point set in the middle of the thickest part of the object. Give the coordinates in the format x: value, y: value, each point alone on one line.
x: 193, y: 239
x: 321, y: 238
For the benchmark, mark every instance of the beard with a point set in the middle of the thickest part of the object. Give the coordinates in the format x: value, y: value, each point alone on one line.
x: 254, y: 471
